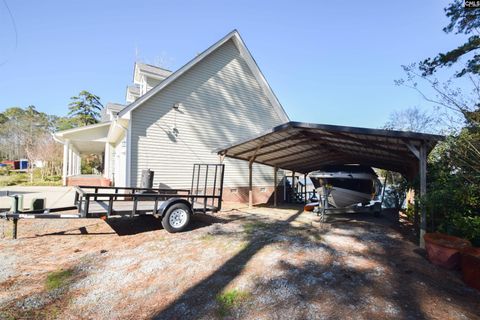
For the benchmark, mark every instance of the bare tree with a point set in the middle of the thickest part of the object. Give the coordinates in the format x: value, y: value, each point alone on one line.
x: 413, y: 119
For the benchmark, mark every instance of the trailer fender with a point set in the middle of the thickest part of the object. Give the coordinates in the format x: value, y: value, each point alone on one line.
x: 169, y: 202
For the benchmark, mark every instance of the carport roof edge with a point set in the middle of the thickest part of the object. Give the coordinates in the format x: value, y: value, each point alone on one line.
x: 361, y: 142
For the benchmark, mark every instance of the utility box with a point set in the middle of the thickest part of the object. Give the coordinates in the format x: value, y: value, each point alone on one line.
x: 38, y: 204
x: 17, y: 200
x: 147, y: 179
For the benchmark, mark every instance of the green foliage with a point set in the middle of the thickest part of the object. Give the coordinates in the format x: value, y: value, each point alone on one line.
x: 91, y: 164
x: 19, y: 129
x: 58, y: 279
x: 85, y: 108
x: 410, y: 212
x: 462, y: 20
x: 453, y: 197
x: 229, y: 299
x: 23, y: 179
x: 4, y: 171
x: 13, y: 179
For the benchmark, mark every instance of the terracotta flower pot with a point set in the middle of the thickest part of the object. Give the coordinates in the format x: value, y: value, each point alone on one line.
x: 471, y: 267
x: 310, y: 206
x: 444, y: 250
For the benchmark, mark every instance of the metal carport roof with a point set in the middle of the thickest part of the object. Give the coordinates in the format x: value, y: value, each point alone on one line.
x: 304, y: 147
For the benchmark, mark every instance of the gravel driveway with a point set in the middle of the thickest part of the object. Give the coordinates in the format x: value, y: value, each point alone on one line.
x: 259, y: 263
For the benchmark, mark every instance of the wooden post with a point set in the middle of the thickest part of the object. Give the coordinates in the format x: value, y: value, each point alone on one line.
x: 423, y: 192
x: 275, y: 169
x: 250, y: 185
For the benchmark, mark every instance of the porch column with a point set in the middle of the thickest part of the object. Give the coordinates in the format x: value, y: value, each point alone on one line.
x: 79, y: 164
x: 74, y: 162
x: 70, y: 161
x: 66, y: 146
x: 106, y: 159
x: 275, y: 170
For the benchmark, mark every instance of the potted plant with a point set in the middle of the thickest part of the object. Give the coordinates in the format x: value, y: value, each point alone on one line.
x: 470, y: 264
x: 444, y: 250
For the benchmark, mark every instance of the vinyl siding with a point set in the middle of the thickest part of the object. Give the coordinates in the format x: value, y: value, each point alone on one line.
x: 151, y: 83
x: 220, y: 103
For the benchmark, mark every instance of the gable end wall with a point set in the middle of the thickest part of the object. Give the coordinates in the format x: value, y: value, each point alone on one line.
x: 220, y: 103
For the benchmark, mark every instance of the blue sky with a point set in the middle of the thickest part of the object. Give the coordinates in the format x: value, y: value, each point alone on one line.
x: 327, y: 61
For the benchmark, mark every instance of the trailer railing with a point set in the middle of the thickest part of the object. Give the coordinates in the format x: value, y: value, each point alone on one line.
x: 84, y: 198
x: 205, y: 195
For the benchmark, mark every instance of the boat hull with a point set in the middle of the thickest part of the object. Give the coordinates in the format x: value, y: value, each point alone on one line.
x: 347, y: 185
x: 341, y: 198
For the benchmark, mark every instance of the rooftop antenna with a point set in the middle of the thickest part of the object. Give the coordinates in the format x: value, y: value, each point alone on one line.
x: 137, y: 54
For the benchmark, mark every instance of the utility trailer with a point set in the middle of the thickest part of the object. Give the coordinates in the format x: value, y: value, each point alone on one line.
x: 174, y: 206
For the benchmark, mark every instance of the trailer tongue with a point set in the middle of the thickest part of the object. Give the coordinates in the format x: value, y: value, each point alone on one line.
x: 174, y: 206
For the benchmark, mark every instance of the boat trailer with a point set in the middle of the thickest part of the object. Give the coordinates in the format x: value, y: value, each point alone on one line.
x: 174, y: 206
x: 323, y: 208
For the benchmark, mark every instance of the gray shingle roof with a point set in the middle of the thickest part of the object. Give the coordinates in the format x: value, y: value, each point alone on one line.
x: 153, y: 70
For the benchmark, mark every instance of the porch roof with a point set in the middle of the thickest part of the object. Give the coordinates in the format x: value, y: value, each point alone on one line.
x: 87, y: 139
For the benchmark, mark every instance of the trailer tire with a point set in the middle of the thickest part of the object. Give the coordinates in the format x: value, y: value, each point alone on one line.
x: 176, y: 218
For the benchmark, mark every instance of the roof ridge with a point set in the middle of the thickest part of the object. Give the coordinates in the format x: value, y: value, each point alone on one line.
x: 237, y: 39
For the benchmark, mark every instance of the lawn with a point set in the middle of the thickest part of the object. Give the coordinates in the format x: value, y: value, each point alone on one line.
x: 23, y: 179
x: 260, y: 263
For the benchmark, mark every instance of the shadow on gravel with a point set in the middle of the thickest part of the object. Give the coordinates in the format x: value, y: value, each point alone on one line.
x: 72, y: 232
x: 199, y: 296
x: 147, y: 223
x: 400, y: 286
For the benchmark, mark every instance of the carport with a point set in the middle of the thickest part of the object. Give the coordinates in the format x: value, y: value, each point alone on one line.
x: 305, y: 147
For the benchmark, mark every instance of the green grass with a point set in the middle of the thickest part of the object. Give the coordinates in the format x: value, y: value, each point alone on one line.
x: 58, y: 279
x: 228, y: 299
x: 250, y: 227
x: 23, y: 179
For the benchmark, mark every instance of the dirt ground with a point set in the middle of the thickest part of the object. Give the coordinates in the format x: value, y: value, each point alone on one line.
x: 259, y: 263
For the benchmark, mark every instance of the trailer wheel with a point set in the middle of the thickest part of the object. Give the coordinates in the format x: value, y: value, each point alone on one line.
x: 176, y: 218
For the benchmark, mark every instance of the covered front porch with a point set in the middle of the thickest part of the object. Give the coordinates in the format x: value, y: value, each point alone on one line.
x: 105, y: 140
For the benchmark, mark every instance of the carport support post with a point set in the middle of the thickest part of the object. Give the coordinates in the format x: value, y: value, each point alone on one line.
x: 275, y: 169
x: 305, y: 187
x: 250, y: 184
x: 293, y: 186
x: 423, y: 192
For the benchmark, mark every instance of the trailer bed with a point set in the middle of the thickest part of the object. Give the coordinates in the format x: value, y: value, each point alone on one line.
x: 143, y: 207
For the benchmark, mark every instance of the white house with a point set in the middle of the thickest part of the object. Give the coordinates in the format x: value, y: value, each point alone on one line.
x: 172, y: 120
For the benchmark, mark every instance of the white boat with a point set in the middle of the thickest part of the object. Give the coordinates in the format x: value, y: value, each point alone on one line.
x: 346, y: 185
